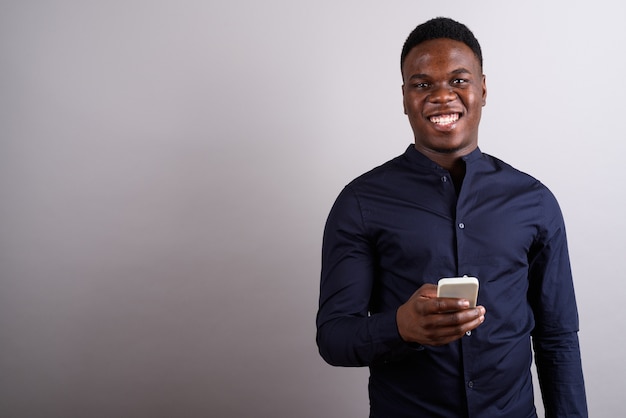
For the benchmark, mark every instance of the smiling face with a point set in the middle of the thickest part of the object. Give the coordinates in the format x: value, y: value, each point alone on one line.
x: 444, y: 91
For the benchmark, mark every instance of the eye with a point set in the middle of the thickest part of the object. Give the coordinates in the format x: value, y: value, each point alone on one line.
x: 460, y: 81
x: 421, y: 85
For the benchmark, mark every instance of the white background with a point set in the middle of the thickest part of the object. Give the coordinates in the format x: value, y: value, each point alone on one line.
x: 166, y: 168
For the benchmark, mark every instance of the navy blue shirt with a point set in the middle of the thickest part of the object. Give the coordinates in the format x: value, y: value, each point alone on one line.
x: 402, y: 225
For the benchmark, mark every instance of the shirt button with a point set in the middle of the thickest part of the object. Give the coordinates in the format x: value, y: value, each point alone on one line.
x: 470, y: 384
x: 444, y: 179
x: 468, y: 333
x: 462, y: 225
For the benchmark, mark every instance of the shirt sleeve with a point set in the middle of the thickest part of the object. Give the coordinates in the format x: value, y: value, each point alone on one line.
x: 555, y: 337
x: 347, y: 334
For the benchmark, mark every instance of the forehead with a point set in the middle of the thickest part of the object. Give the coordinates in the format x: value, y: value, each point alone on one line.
x: 440, y: 55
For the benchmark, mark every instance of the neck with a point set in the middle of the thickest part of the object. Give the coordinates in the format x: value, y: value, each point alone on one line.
x: 457, y: 172
x: 446, y: 158
x: 453, y: 162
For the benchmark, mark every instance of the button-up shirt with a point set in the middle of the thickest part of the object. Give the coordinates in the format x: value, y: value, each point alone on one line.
x: 402, y: 225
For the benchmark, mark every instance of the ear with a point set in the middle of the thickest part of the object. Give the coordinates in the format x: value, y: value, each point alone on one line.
x: 403, y: 102
x: 484, y: 87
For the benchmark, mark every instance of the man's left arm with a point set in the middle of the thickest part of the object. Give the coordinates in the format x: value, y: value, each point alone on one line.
x: 560, y: 375
x: 555, y: 337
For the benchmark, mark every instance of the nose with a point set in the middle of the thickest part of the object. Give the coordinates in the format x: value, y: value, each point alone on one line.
x: 442, y: 94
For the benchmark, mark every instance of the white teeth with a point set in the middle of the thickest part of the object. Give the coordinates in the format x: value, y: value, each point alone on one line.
x: 445, y: 119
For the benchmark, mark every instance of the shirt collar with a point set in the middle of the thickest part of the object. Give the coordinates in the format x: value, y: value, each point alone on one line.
x: 416, y: 157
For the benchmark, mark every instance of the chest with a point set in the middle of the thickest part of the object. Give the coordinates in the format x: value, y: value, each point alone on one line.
x: 487, y: 225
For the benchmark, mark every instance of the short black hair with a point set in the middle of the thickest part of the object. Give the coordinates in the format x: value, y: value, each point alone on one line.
x: 441, y: 27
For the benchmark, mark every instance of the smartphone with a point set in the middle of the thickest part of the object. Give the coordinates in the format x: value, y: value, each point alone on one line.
x: 459, y: 287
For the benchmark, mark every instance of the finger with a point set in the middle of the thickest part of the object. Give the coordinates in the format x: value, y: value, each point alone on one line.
x: 447, y: 327
x: 459, y: 319
x: 450, y: 304
x: 427, y: 290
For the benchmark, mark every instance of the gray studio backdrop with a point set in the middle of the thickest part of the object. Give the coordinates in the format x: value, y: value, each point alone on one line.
x: 166, y: 168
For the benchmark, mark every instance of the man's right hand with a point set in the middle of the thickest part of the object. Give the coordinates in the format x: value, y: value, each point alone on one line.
x: 428, y: 320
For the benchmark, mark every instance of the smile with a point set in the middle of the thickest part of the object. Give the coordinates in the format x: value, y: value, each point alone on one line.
x: 444, y: 120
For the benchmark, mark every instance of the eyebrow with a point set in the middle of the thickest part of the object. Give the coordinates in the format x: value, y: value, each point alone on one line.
x: 460, y: 70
